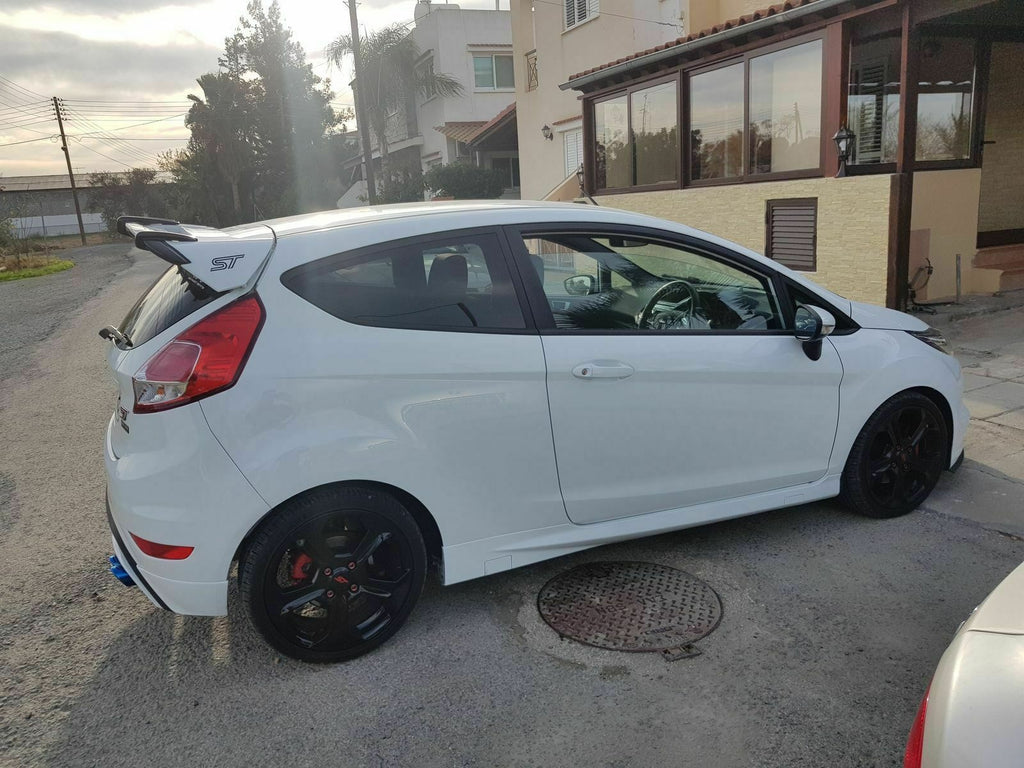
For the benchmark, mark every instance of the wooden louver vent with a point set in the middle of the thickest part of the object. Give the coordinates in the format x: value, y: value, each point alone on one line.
x: 791, y: 236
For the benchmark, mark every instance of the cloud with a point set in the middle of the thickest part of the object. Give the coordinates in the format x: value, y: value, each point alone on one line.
x: 60, y: 64
x: 106, y: 7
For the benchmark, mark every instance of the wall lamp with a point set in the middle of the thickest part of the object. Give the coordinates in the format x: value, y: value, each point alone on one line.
x: 844, y: 146
x: 548, y: 133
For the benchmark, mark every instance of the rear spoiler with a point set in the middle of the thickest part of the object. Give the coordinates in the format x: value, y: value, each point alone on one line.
x: 156, y: 240
x: 220, y: 259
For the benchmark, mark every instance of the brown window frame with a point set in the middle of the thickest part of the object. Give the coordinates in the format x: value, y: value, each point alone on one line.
x: 682, y: 75
x: 590, y: 163
x: 979, y: 96
x: 790, y: 202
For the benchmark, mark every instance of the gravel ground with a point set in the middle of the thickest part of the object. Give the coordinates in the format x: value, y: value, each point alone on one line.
x: 33, y: 308
x: 832, y: 626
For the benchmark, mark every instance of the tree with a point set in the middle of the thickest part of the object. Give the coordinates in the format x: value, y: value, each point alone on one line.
x: 260, y: 131
x: 222, y: 127
x: 391, y: 81
x: 133, y: 192
x: 465, y: 182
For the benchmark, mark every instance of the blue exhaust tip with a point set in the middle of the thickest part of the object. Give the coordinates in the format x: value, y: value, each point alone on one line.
x: 119, y: 572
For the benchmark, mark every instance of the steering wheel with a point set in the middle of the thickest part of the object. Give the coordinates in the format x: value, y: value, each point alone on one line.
x: 686, y: 306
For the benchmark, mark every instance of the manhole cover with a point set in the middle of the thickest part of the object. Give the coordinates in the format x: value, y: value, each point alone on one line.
x: 631, y: 607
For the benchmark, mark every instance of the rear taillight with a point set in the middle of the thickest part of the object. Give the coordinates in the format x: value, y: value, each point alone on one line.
x: 915, y: 742
x: 202, y: 360
x: 163, y: 551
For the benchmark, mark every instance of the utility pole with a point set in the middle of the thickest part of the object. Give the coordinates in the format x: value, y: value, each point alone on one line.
x: 71, y: 174
x: 361, y: 121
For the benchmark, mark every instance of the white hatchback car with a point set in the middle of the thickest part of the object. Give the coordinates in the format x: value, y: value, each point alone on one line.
x: 333, y: 399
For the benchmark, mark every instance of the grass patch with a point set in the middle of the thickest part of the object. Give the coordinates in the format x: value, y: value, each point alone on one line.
x: 48, y: 268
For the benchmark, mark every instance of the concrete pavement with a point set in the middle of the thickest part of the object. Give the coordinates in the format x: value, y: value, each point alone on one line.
x: 989, y: 488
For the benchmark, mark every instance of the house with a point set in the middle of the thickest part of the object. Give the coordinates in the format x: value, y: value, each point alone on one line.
x: 474, y: 47
x: 730, y: 129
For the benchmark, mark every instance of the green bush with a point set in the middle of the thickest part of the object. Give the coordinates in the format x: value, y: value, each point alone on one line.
x: 465, y: 182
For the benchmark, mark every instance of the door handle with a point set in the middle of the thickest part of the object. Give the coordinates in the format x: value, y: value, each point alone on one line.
x: 603, y: 369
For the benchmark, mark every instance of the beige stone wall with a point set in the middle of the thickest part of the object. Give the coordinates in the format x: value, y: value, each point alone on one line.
x: 853, y: 223
x: 1002, y: 178
x: 944, y: 220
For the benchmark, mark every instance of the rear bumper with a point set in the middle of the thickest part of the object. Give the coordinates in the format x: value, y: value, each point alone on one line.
x: 189, y: 598
x: 174, y: 484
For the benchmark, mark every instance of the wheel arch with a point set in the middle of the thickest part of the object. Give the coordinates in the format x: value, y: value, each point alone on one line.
x: 944, y: 408
x: 423, y: 517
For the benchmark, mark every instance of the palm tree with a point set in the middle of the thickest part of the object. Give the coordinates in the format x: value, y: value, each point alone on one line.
x: 390, y: 78
x: 221, y: 126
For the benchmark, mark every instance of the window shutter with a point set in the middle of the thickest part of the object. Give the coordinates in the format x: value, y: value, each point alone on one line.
x: 592, y: 8
x: 570, y: 13
x: 791, y: 236
x: 573, y: 151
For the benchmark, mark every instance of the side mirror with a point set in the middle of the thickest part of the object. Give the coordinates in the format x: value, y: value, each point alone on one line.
x: 580, y: 285
x: 811, y: 325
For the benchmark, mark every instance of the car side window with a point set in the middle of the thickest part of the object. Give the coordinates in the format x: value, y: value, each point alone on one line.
x: 609, y: 282
x: 451, y: 283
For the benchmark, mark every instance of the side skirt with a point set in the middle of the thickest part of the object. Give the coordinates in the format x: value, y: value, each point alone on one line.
x: 502, y: 553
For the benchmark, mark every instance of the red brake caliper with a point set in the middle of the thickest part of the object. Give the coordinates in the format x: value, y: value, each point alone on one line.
x: 300, y: 568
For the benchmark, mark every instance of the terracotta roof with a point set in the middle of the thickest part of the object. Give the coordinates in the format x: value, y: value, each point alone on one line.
x: 508, y: 113
x: 463, y: 130
x: 771, y: 10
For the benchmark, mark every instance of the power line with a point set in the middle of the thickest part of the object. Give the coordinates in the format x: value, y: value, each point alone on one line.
x: 123, y: 146
x: 26, y: 141
x: 29, y: 91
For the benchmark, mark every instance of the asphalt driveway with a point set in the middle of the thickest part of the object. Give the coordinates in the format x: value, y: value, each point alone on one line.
x: 832, y: 623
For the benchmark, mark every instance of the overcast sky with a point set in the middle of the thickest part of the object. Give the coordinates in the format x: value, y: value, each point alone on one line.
x: 146, y: 52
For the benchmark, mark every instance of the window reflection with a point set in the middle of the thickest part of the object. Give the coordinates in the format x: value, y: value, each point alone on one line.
x: 611, y: 134
x: 716, y: 123
x: 655, y: 121
x: 785, y: 109
x: 873, y: 106
x: 944, y: 98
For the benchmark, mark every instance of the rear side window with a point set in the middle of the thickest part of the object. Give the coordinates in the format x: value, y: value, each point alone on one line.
x: 459, y: 282
x: 170, y: 299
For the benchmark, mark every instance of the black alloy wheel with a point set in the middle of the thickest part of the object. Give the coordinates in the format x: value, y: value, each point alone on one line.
x: 334, y: 574
x: 898, y: 457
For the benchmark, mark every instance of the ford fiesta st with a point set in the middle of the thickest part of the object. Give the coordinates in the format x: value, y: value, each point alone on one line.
x: 335, y: 401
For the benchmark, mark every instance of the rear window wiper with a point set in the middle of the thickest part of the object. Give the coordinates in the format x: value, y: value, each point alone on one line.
x: 120, y: 338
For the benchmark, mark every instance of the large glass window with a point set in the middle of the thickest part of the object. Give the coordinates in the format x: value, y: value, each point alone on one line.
x: 608, y: 282
x: 873, y: 106
x: 785, y: 109
x: 716, y: 123
x: 654, y: 118
x: 944, y: 98
x: 637, y: 137
x: 611, y: 134
x: 493, y: 71
x: 454, y: 283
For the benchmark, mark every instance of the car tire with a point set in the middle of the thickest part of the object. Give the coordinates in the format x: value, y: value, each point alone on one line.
x: 333, y: 573
x: 897, y: 458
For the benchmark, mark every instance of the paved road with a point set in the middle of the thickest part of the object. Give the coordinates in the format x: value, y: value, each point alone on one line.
x: 33, y: 309
x: 832, y: 626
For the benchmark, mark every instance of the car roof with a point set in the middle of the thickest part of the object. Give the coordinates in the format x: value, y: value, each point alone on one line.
x: 474, y: 213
